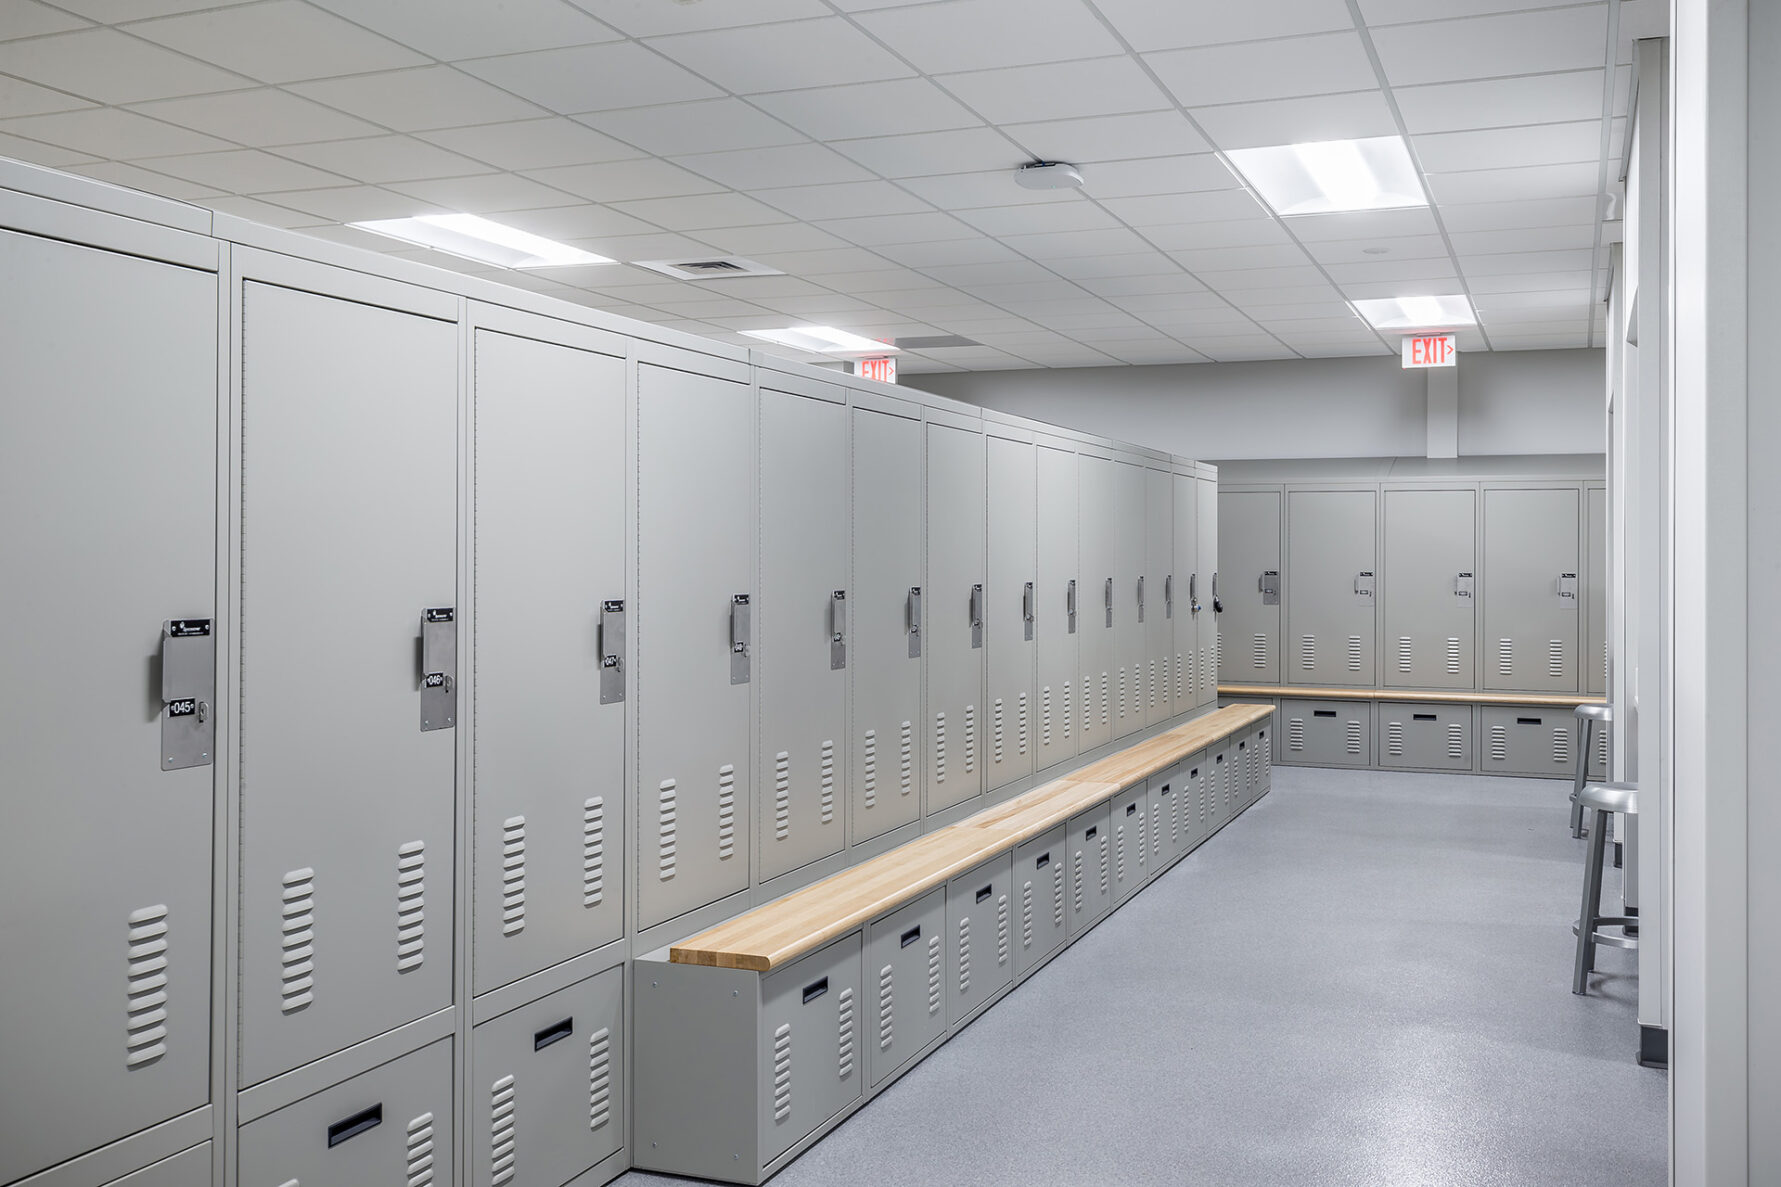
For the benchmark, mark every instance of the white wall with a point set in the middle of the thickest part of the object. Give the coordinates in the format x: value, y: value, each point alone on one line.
x: 1548, y: 401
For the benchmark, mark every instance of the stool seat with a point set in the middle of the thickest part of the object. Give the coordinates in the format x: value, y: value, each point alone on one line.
x: 1595, y: 712
x: 1603, y: 799
x: 1608, y: 797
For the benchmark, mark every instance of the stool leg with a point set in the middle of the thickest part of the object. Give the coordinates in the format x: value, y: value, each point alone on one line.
x: 1582, y: 775
x: 1592, y: 905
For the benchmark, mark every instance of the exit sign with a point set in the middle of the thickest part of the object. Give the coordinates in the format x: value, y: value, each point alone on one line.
x: 1430, y: 350
x: 883, y: 370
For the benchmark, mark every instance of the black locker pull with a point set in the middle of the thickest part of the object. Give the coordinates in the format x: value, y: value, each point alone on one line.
x: 1422, y: 717
x: 1131, y: 809
x: 1244, y: 745
x: 910, y: 936
x: 553, y: 1034
x: 815, y: 990
x: 1166, y: 789
x: 1527, y: 721
x: 1323, y: 712
x: 351, y: 1127
x: 1194, y: 774
x: 1043, y: 860
x: 1090, y: 834
x: 986, y: 892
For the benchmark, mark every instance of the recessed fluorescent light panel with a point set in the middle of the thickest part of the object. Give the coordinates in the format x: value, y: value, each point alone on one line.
x: 1332, y: 176
x: 476, y: 238
x: 822, y: 340
x: 1417, y: 313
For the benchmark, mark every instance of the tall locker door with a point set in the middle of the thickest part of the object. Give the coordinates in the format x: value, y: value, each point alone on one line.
x: 108, y: 531
x: 1247, y: 650
x: 549, y: 746
x: 1094, y: 603
x: 1428, y: 588
x: 348, y: 635
x: 1332, y: 555
x: 1059, y: 615
x: 1531, y: 588
x: 1158, y: 599
x: 695, y: 529
x: 952, y: 615
x: 1206, y: 500
x: 1188, y: 608
x: 1128, y: 574
x: 1595, y: 655
x: 1013, y: 593
x: 803, y: 628
x: 883, y: 652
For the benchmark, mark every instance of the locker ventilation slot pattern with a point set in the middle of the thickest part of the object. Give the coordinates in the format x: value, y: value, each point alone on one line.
x: 1561, y: 746
x: 1453, y: 655
x: 1156, y: 828
x: 1209, y: 667
x: 1045, y: 715
x: 869, y: 767
x: 1106, y: 869
x: 782, y: 795
x: 1057, y: 894
x: 599, y: 1078
x: 1555, y: 659
x: 782, y: 1073
x: 827, y: 769
x: 1394, y: 739
x: 887, y: 1010
x: 145, y: 987
x: 965, y: 955
x: 1505, y: 657
x: 1308, y: 652
x: 940, y: 747
x: 1122, y: 692
x: 970, y: 739
x: 1119, y: 853
x: 1150, y: 685
x: 665, y: 829
x: 1354, y: 737
x: 1088, y: 697
x: 1076, y: 881
x: 933, y: 974
x: 502, y: 1127
x: 1105, y: 700
x: 1295, y: 734
x: 1354, y: 653
x: 298, y: 979
x: 411, y: 903
x: 726, y: 812
x: 1404, y: 659
x: 1003, y: 938
x: 1499, y: 743
x: 420, y: 1151
x: 1143, y: 842
x: 1601, y: 747
x: 906, y: 757
x: 844, y: 1033
x: 1064, y: 712
x: 1180, y: 682
x: 1020, y: 724
x: 513, y: 875
x: 593, y: 852
x: 1456, y: 740
x: 996, y: 732
x: 1026, y: 914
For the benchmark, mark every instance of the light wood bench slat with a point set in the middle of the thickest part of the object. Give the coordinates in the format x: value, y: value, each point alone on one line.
x: 1543, y: 700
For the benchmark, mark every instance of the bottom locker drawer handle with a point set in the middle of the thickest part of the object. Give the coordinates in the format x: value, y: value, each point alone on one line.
x: 351, y: 1127
x: 910, y: 936
x: 553, y: 1034
x: 1043, y: 860
x: 815, y: 990
x: 985, y: 892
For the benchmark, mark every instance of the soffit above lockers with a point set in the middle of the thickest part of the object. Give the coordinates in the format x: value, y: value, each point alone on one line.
x: 865, y: 148
x: 1569, y: 467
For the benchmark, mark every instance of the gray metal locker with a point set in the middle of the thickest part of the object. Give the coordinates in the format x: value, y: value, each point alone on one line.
x: 1425, y: 735
x: 802, y: 623
x: 695, y: 528
x: 108, y: 530
x: 883, y: 649
x: 349, y: 643
x: 953, y: 615
x: 809, y: 1064
x: 1327, y: 733
x: 1248, y: 585
x: 1595, y: 654
x: 188, y: 1168
x: 1060, y: 615
x: 980, y: 936
x: 1011, y: 596
x: 1158, y: 595
x: 1331, y: 627
x: 1094, y: 603
x: 1429, y: 588
x: 1531, y: 590
x: 1044, y: 898
x: 1088, y: 840
x: 1131, y: 840
x: 1187, y: 595
x: 1222, y: 771
x: 1166, y: 823
x: 905, y: 973
x: 1206, y: 504
x: 1264, y: 755
x: 550, y: 1083
x: 1247, y: 772
x: 1197, y: 808
x: 1525, y: 740
x: 392, y: 1124
x: 552, y: 543
x: 1127, y: 531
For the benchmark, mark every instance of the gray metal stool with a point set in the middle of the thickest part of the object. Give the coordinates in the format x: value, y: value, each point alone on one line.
x: 1588, y: 717
x: 1604, y: 799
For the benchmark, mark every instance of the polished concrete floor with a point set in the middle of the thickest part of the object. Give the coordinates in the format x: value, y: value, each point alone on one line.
x: 1363, y: 980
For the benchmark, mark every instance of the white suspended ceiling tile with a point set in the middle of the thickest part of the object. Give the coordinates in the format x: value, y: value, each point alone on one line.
x: 844, y: 261
x: 260, y: 118
x: 1034, y: 219
x: 982, y: 250
x: 137, y: 178
x: 969, y: 191
x: 1502, y: 148
x: 1336, y: 350
x: 1159, y: 175
x: 785, y: 166
x: 279, y: 41
x: 1350, y: 116
x: 1245, y: 232
x: 255, y: 210
x: 1152, y: 25
x: 379, y: 159
x: 1509, y: 185
x: 245, y: 171
x: 108, y: 67
x: 826, y: 310
x: 1576, y: 316
x: 816, y: 53
x: 847, y: 200
x: 419, y: 100
x: 453, y: 29
x: 1324, y: 63
x: 110, y: 12
x: 1403, y: 286
x: 1098, y: 268
x: 659, y: 246
x: 1525, y: 261
x: 1174, y: 282
x: 533, y: 144
x: 1188, y: 306
x: 1505, y: 216
x: 21, y: 98
x: 620, y: 181
x: 1495, y: 303
x: 1050, y: 296
x: 1301, y: 311
x: 983, y: 34
x: 1298, y: 294
x: 588, y: 78
x: 1160, y: 211
x: 892, y: 107
x: 111, y: 132
x: 1540, y: 342
x: 353, y: 204
x: 1529, y: 282
x: 652, y: 18
x: 1393, y: 12
x: 489, y: 193
x: 1364, y: 225
x: 586, y: 221
x: 1061, y: 91
x: 1225, y: 259
x: 29, y: 18
x: 1361, y: 251
x: 1502, y: 102
x: 757, y: 241
x: 701, y: 212
x: 929, y: 227
x: 1335, y: 328
x: 1109, y: 137
x: 711, y: 125
x: 1387, y: 268
x: 926, y: 154
x: 968, y: 276
x: 1536, y: 42
x: 1063, y: 245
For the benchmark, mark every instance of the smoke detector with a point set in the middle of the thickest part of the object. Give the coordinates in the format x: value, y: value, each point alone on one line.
x: 1049, y: 175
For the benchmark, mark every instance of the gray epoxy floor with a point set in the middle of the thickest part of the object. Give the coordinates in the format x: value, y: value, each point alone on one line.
x: 1365, y: 980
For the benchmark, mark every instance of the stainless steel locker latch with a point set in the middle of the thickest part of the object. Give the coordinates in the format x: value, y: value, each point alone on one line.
x: 741, y: 628
x: 1217, y: 602
x: 612, y: 651
x: 1070, y: 604
x: 1567, y: 588
x: 977, y: 615
x: 1107, y: 599
x: 1363, y: 585
x: 1169, y: 596
x: 1269, y: 585
x: 439, y: 668
x: 1193, y: 593
x: 1140, y: 597
x: 915, y: 622
x: 1027, y: 609
x: 837, y: 630
x: 1463, y: 585
x: 188, y: 686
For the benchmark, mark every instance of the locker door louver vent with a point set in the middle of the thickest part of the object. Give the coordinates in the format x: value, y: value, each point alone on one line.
x: 869, y: 760
x: 1354, y: 653
x: 1122, y: 692
x: 933, y: 974
x: 145, y: 987
x: 1192, y: 674
x: 1209, y: 667
x: 1394, y: 739
x: 1499, y: 743
x: 1045, y: 716
x: 1076, y: 881
x: 1150, y: 685
x: 599, y: 1078
x: 1561, y: 746
x: 887, y: 1013
x: 1057, y: 893
x: 844, y: 1033
x: 1064, y: 712
x: 1404, y: 662
x: 782, y: 1073
x: 1555, y: 658
x: 1026, y: 914
x: 965, y: 954
x: 1174, y: 820
x: 906, y: 757
x: 1088, y: 697
x: 298, y: 979
x: 1267, y: 758
x: 1119, y: 852
x: 1106, y: 864
x: 1604, y: 662
x: 411, y: 906
x: 1295, y: 734
x: 970, y: 739
x: 940, y: 747
x: 513, y: 875
x: 593, y: 851
x: 996, y: 732
x: 1217, y: 658
x: 1020, y: 724
x: 1456, y: 740
x: 502, y: 1127
x: 1505, y: 657
x: 828, y: 781
x: 726, y: 812
x: 665, y: 829
x: 1308, y: 652
x: 420, y: 1151
x: 1354, y: 737
x: 1003, y: 939
x: 782, y: 795
x: 1106, y: 700
x: 1181, y: 682
x: 1453, y: 655
x: 1156, y: 830
x: 1601, y: 747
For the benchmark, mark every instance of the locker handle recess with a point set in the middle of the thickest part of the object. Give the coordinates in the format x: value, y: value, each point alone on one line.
x: 1090, y: 834
x: 1070, y: 604
x: 1043, y: 860
x: 553, y: 1034
x: 612, y: 651
x: 985, y: 892
x: 1217, y: 602
x: 188, y: 686
x: 1422, y: 717
x: 1131, y: 809
x: 815, y: 990
x: 1194, y: 774
x: 1567, y: 588
x: 351, y: 1127
x: 1165, y: 789
x: 1140, y: 597
x: 1314, y: 713
x: 1463, y: 585
x: 1527, y: 721
x: 977, y: 615
x: 914, y: 621
x: 837, y: 630
x: 910, y: 936
x: 1169, y: 596
x: 1193, y: 593
x: 439, y: 668
x: 1107, y: 599
x: 741, y: 637
x: 1026, y: 602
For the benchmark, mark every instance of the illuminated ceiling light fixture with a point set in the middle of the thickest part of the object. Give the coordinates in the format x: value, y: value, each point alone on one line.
x: 476, y: 238
x: 1332, y: 176
x: 823, y: 340
x: 1417, y: 313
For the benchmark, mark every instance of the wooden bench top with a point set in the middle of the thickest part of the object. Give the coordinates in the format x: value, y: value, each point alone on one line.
x: 776, y: 933
x: 1548, y: 700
